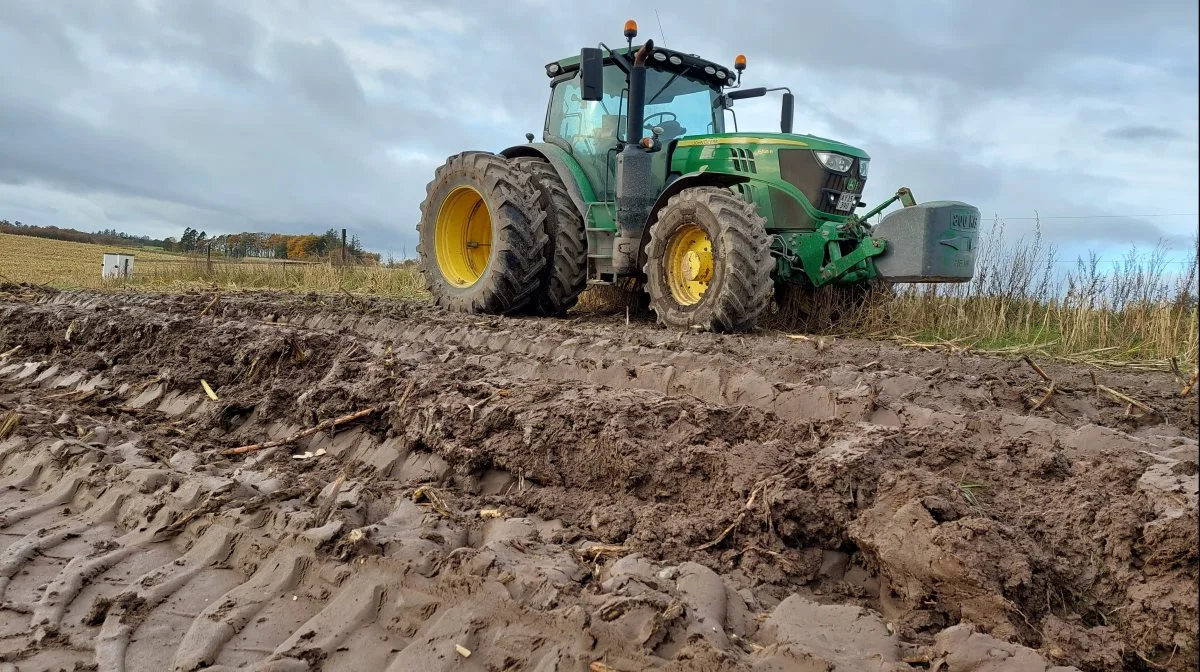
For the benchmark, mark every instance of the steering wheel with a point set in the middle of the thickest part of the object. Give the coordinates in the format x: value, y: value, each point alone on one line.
x: 649, y: 126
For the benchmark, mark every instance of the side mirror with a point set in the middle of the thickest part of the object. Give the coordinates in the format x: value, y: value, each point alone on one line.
x: 740, y: 94
x: 785, y: 119
x: 591, y: 66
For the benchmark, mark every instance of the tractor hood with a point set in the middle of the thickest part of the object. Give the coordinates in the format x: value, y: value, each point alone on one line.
x: 770, y: 140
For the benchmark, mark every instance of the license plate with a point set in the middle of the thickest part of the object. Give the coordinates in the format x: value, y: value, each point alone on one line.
x: 847, y: 201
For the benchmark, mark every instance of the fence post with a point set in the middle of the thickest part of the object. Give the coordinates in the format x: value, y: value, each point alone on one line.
x: 343, y: 247
x: 208, y: 260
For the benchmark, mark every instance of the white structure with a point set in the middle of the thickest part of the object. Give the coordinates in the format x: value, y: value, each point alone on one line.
x: 117, y: 266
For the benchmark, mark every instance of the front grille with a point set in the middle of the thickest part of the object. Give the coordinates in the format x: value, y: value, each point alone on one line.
x: 822, y: 187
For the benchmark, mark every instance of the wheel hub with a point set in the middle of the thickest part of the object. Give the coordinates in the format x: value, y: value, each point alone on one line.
x: 697, y: 268
x: 689, y: 264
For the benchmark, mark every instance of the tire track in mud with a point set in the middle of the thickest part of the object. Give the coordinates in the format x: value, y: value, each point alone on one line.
x: 94, y: 579
x: 125, y: 542
x: 797, y: 380
x: 711, y: 378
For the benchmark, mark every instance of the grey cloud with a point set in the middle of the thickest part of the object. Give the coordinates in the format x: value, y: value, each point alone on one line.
x: 320, y: 73
x: 1013, y: 194
x: 1143, y: 132
x: 42, y: 146
x: 31, y: 36
x: 211, y: 33
x: 293, y: 148
x: 264, y: 127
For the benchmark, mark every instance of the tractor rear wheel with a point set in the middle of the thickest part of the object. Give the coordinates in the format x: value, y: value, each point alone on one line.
x: 482, y: 240
x: 708, y: 262
x: 565, y: 274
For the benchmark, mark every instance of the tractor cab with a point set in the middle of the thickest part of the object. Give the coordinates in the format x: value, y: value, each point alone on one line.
x: 682, y: 98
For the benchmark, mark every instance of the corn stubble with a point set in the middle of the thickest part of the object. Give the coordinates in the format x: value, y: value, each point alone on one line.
x: 1142, y: 309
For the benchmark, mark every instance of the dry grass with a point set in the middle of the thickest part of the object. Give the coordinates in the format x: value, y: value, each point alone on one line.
x: 404, y: 282
x: 65, y: 264
x: 57, y: 262
x: 1139, y: 311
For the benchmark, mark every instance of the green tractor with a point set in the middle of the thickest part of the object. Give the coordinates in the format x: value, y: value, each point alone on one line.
x: 637, y: 177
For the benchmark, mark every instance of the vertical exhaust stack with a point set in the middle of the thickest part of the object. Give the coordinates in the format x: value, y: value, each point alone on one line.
x: 637, y: 94
x: 635, y: 192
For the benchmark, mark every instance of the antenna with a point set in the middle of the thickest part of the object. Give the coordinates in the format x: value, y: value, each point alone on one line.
x: 660, y: 30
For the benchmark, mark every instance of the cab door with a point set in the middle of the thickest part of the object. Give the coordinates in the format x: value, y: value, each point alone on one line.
x: 592, y: 131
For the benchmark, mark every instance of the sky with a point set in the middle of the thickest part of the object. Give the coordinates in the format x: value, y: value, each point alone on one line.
x: 296, y: 116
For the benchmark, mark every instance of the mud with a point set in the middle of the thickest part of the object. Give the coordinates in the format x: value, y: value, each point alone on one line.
x: 570, y: 494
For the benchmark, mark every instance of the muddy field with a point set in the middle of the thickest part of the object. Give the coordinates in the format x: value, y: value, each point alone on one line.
x: 520, y: 494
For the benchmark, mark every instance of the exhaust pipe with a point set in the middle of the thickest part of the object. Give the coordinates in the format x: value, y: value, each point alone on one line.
x: 637, y: 94
x: 635, y: 196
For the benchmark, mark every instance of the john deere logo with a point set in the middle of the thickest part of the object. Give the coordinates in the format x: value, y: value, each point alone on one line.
x: 852, y: 184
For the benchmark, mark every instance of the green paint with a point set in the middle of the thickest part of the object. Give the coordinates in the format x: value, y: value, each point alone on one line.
x: 811, y: 246
x: 601, y: 216
x: 832, y: 254
x: 577, y: 174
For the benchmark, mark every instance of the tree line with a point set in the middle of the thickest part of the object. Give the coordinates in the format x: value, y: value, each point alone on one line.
x: 105, y: 237
x: 272, y: 245
x: 235, y: 245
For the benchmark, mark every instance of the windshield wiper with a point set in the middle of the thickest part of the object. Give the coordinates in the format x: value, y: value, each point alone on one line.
x: 669, y: 81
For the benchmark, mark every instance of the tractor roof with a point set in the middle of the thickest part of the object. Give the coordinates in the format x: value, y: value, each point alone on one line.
x: 672, y: 61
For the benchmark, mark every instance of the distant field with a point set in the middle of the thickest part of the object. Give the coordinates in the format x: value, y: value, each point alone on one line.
x: 65, y: 264
x: 58, y: 262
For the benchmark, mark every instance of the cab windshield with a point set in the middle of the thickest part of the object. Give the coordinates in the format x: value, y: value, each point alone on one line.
x: 593, y: 130
x: 680, y: 106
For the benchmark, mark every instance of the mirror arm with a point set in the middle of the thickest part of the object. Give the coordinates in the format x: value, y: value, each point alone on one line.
x: 619, y: 59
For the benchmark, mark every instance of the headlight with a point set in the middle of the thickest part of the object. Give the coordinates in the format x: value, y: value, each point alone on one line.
x: 862, y: 167
x: 835, y: 162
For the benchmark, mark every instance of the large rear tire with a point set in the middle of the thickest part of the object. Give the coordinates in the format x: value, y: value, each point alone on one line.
x: 482, y: 239
x: 565, y: 274
x: 708, y: 262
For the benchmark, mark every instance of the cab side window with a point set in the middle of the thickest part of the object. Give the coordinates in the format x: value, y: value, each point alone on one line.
x: 591, y: 128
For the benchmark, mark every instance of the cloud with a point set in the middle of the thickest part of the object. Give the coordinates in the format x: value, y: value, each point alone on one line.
x: 318, y: 71
x: 1138, y: 133
x: 153, y: 115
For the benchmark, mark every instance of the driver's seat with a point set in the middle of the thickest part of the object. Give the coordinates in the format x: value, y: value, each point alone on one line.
x: 671, y: 129
x: 610, y: 124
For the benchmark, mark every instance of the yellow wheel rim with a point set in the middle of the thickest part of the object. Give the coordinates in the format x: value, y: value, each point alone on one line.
x: 689, y: 264
x: 462, y: 237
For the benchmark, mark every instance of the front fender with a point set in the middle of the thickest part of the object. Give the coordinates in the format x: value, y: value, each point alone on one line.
x: 699, y: 178
x: 568, y: 169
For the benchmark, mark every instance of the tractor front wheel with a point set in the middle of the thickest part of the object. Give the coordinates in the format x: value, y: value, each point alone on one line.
x: 482, y: 239
x: 708, y: 262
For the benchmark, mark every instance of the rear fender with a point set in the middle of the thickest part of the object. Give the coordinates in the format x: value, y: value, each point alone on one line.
x: 568, y: 169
